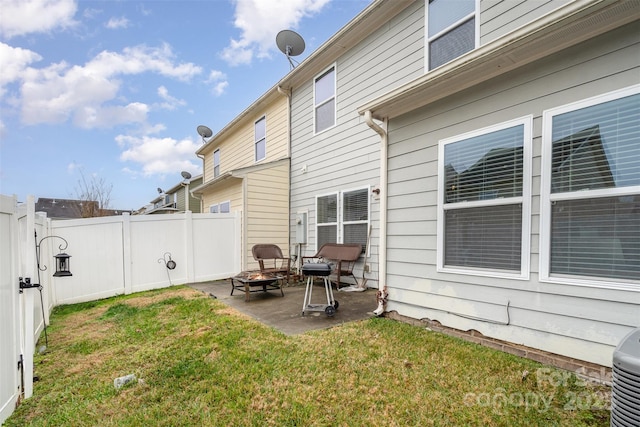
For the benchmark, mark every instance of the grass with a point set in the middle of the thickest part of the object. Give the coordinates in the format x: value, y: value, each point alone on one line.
x: 201, y: 363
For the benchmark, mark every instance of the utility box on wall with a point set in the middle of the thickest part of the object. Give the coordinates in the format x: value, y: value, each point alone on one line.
x: 301, y: 228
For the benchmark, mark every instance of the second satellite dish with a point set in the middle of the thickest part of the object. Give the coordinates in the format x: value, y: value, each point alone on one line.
x: 290, y: 43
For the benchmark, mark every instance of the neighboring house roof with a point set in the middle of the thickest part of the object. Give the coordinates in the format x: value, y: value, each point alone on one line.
x: 71, y: 208
x: 160, y: 203
x: 564, y: 27
x: 236, y: 173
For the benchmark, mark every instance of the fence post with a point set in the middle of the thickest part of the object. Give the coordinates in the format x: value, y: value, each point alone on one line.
x: 28, y: 331
x: 126, y: 252
x: 189, y: 258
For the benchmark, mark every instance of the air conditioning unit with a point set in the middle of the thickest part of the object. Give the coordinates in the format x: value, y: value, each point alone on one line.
x: 625, y: 390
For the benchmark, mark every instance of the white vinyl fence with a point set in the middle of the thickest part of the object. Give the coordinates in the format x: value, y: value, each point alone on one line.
x: 109, y: 256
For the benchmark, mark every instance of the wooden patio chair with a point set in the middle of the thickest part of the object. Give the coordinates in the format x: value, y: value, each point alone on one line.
x: 343, y: 255
x: 271, y: 260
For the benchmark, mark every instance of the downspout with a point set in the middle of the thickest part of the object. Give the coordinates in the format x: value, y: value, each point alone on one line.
x: 382, y: 247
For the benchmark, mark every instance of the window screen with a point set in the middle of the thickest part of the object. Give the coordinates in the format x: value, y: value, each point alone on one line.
x: 260, y: 139
x: 451, y: 30
x: 483, y: 190
x: 596, y: 152
x: 324, y: 100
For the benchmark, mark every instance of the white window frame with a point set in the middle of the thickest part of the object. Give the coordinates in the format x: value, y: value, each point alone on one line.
x: 216, y: 164
x: 547, y: 198
x: 428, y: 40
x: 257, y: 141
x: 217, y: 208
x: 524, y: 200
x: 340, y: 223
x: 317, y: 104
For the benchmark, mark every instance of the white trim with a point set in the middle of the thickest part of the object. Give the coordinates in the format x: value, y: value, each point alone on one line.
x: 525, y: 200
x: 546, y: 198
x: 334, y: 98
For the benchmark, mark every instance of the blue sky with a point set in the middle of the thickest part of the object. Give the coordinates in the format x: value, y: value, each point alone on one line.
x: 114, y: 90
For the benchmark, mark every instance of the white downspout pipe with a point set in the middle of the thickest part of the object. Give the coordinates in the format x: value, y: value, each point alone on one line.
x: 382, y: 247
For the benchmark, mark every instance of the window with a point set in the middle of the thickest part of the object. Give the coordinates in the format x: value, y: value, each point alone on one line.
x: 483, y: 208
x: 223, y: 207
x: 343, y: 217
x: 451, y: 29
x: 216, y: 163
x: 260, y: 132
x: 590, y: 214
x: 324, y: 95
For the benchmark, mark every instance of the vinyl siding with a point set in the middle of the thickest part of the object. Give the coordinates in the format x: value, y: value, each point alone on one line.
x: 237, y: 146
x: 497, y: 18
x: 581, y: 322
x: 267, y: 209
x: 347, y: 156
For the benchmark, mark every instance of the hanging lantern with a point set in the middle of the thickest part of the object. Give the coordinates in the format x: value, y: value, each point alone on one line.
x: 62, y: 265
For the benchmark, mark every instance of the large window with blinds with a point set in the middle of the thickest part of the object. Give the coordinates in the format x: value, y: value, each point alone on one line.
x: 590, y: 217
x: 451, y: 30
x: 483, y: 207
x: 343, y: 217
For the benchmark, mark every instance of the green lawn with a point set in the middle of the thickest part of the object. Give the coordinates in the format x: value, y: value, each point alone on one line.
x: 199, y: 362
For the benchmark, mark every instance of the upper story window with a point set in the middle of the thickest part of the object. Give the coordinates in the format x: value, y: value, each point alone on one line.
x: 590, y: 197
x: 483, y: 208
x: 324, y: 100
x: 343, y: 217
x: 216, y: 163
x: 260, y: 139
x: 451, y: 29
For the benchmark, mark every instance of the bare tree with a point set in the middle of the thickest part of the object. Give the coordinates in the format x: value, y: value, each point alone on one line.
x: 94, y: 195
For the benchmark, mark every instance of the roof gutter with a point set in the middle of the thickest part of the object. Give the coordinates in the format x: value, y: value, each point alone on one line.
x: 382, y: 246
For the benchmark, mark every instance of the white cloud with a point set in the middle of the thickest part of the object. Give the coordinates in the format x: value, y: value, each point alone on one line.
x: 159, y: 156
x: 260, y: 21
x: 82, y: 93
x: 116, y: 23
x: 14, y: 61
x: 219, y: 82
x: 20, y: 17
x: 170, y: 103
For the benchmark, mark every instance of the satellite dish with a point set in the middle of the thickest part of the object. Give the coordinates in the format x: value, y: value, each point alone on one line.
x: 290, y: 43
x: 185, y: 175
x: 204, y: 132
x: 159, y: 190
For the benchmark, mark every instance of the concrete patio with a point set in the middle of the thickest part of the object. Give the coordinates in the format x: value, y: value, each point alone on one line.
x: 285, y: 313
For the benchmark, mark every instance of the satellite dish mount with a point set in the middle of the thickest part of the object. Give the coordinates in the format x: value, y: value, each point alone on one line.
x: 291, y: 44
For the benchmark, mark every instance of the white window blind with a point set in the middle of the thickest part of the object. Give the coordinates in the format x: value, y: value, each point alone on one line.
x: 595, y: 183
x: 327, y: 221
x: 355, y: 217
x: 483, y: 206
x: 343, y: 217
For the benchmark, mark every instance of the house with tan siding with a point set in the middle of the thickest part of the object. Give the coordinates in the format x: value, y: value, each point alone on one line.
x: 246, y: 170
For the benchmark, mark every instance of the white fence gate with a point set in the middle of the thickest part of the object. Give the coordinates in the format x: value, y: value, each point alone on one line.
x: 109, y: 256
x: 9, y: 320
